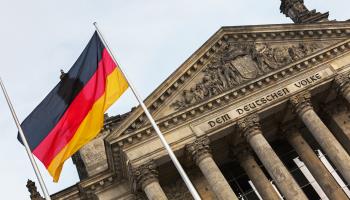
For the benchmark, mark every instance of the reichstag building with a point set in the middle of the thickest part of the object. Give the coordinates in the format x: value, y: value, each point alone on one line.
x: 257, y: 112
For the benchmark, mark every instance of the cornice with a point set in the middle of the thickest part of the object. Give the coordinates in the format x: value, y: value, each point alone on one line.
x: 93, y: 184
x: 192, y: 66
x: 188, y: 115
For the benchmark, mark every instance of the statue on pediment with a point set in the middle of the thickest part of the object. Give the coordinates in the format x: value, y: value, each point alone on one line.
x: 297, y: 11
x: 34, y: 194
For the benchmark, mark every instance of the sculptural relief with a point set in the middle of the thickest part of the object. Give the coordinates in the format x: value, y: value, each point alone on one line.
x: 298, y: 12
x: 237, y: 63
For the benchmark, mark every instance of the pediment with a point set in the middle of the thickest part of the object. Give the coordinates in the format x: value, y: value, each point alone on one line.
x: 231, y: 58
x: 238, y: 63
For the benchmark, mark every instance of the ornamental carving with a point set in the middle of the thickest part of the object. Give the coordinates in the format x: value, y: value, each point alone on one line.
x: 145, y: 174
x: 85, y: 194
x: 199, y: 149
x: 294, y: 9
x: 342, y: 82
x: 249, y: 125
x: 235, y: 64
x: 301, y: 102
x: 34, y: 194
x: 297, y: 11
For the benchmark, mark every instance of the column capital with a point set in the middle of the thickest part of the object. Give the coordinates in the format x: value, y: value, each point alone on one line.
x: 199, y: 149
x: 301, y: 102
x: 249, y: 126
x: 342, y: 83
x: 145, y: 174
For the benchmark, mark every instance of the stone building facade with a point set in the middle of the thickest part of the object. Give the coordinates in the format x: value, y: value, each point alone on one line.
x: 258, y: 112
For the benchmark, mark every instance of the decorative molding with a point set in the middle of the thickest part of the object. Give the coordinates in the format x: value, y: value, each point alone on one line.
x: 238, y: 63
x: 199, y: 149
x: 172, y: 121
x: 144, y: 174
x: 91, y: 185
x: 301, y: 103
x: 117, y: 160
x: 86, y: 195
x: 249, y: 126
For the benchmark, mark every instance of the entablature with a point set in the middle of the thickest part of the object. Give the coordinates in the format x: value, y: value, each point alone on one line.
x: 180, y: 118
x: 321, y: 33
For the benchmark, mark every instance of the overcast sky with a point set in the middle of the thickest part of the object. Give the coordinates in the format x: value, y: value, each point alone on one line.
x: 150, y: 38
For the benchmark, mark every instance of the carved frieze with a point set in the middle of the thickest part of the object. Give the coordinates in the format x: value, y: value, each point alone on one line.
x: 237, y: 63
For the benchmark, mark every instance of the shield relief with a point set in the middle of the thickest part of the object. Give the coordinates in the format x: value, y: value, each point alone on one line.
x: 245, y: 66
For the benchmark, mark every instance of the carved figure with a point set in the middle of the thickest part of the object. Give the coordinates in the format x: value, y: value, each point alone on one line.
x: 282, y: 56
x: 297, y: 11
x: 34, y: 194
x: 266, y: 59
x: 230, y: 75
x: 296, y: 8
x: 235, y: 64
x: 188, y: 96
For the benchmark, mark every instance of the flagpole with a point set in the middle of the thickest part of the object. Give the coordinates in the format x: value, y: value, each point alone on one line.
x: 29, y: 153
x: 155, y: 126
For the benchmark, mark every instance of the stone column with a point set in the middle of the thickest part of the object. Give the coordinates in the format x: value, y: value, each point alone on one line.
x: 250, y: 128
x: 302, y: 105
x: 314, y: 164
x: 146, y: 177
x: 342, y: 83
x: 247, y: 161
x: 338, y: 121
x: 200, y: 152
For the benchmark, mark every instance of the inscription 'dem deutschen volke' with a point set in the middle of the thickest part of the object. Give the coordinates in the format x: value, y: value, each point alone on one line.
x: 265, y: 99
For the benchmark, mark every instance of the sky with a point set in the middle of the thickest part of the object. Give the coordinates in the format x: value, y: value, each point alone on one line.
x: 149, y: 38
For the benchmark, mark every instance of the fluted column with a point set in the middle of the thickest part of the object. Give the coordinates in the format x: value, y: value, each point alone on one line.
x: 250, y: 127
x: 314, y: 164
x: 337, y: 154
x: 247, y: 161
x: 200, y: 152
x: 342, y: 82
x: 146, y: 176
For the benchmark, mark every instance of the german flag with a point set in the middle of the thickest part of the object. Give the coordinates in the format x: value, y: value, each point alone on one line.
x: 73, y: 112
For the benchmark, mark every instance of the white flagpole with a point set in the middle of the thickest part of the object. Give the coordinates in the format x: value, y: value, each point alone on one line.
x: 29, y: 153
x: 155, y: 126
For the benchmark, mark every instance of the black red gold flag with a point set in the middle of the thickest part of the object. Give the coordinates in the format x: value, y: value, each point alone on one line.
x: 72, y: 113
